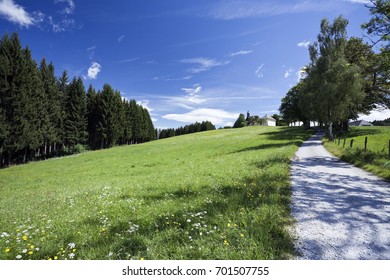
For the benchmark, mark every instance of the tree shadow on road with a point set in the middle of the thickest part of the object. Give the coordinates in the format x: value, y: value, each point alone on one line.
x: 349, y: 213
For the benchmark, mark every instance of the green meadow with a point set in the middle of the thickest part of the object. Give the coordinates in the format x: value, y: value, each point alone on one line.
x: 213, y: 195
x: 376, y: 156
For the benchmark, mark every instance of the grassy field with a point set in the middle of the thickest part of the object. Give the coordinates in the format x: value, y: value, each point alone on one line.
x: 375, y: 159
x: 212, y: 195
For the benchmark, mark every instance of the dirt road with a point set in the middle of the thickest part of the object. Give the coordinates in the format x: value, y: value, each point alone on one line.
x: 342, y: 212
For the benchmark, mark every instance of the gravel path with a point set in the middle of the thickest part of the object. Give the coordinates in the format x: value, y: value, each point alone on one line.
x: 342, y: 212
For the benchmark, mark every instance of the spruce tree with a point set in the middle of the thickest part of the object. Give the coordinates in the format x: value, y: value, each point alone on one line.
x: 75, y: 124
x: 93, y: 117
x: 53, y: 107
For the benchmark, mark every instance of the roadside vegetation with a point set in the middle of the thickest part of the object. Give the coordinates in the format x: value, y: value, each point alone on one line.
x: 374, y: 159
x: 212, y: 195
x: 346, y: 76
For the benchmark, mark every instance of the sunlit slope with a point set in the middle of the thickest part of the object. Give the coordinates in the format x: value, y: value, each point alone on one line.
x: 213, y: 195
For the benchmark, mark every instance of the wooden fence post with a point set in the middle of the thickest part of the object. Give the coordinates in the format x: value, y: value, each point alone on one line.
x: 365, y: 144
x: 350, y: 145
x: 389, y: 149
x: 344, y: 142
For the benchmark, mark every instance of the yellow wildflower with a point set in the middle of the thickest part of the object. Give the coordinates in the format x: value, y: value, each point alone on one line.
x: 55, y: 257
x: 7, y: 250
x: 31, y: 252
x: 32, y: 246
x: 142, y: 259
x: 24, y: 237
x: 225, y: 242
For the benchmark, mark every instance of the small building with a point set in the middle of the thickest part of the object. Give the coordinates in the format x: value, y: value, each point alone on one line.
x: 360, y: 123
x: 268, y: 121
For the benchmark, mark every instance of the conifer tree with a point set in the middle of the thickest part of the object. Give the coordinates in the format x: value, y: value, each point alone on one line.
x: 75, y: 124
x: 93, y: 117
x: 53, y: 106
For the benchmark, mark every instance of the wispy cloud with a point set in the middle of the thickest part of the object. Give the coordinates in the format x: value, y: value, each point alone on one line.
x: 239, y: 9
x: 242, y: 52
x: 288, y: 72
x: 17, y: 14
x: 91, y: 52
x: 121, y: 38
x: 304, y: 44
x: 69, y: 6
x: 192, y: 95
x: 203, y: 64
x: 94, y: 70
x: 128, y: 60
x: 216, y: 116
x: 260, y: 71
x: 194, y: 91
x: 359, y: 1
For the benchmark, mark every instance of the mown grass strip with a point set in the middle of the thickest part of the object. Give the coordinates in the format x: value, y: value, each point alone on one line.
x: 212, y: 195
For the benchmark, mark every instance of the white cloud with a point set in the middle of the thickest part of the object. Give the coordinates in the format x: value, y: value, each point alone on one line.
x: 242, y: 52
x: 204, y: 64
x: 121, y: 38
x: 288, y: 72
x: 376, y: 115
x: 16, y: 13
x: 259, y: 71
x: 216, y: 116
x: 301, y: 73
x: 94, y: 70
x: 145, y: 104
x: 304, y: 44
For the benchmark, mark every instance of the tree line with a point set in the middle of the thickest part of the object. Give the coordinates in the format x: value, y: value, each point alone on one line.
x: 187, y: 129
x: 43, y: 116
x: 345, y: 76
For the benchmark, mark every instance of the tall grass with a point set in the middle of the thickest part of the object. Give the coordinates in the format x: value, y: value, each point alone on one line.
x: 212, y: 195
x: 374, y: 159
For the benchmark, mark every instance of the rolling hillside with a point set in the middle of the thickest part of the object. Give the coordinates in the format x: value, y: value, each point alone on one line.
x: 212, y: 195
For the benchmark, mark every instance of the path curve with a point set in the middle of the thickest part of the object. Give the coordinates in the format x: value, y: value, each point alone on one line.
x: 341, y: 211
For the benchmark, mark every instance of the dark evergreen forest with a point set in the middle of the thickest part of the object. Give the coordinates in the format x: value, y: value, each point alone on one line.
x: 187, y: 129
x: 43, y: 116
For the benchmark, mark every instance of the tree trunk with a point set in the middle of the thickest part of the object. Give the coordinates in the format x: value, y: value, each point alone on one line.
x: 330, y: 131
x: 345, y: 126
x: 25, y: 155
x: 45, y: 149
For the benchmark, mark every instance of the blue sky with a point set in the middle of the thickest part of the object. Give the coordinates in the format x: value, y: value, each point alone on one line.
x: 185, y: 61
